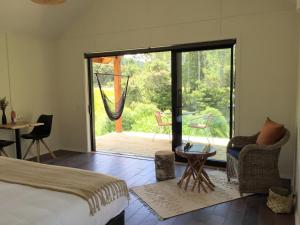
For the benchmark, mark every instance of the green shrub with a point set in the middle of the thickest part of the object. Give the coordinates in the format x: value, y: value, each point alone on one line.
x: 157, y: 84
x: 217, y: 127
x: 137, y: 117
x: 143, y: 117
x: 207, y: 95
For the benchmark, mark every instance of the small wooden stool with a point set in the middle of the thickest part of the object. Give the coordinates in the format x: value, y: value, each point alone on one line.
x: 164, y: 165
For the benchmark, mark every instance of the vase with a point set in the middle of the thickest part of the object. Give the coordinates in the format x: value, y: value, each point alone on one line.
x: 13, y: 116
x: 4, y: 119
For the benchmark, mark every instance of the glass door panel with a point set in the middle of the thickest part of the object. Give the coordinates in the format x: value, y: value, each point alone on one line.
x: 206, y: 98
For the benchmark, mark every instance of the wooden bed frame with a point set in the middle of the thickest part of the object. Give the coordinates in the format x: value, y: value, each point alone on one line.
x: 118, y: 220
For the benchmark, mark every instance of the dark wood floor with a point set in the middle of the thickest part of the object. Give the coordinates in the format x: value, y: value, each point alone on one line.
x: 246, y: 211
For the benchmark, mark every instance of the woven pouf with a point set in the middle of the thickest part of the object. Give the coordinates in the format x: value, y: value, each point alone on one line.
x: 164, y: 165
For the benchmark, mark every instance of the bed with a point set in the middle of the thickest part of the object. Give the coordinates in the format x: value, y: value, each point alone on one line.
x: 26, y: 205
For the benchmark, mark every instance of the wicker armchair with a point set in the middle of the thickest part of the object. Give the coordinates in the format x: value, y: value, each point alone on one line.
x: 255, y: 166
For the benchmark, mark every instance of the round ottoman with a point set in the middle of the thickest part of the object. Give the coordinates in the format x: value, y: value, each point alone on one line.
x: 164, y: 165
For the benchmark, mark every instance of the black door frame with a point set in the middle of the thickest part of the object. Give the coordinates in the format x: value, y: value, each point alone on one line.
x: 91, y: 108
x: 176, y: 51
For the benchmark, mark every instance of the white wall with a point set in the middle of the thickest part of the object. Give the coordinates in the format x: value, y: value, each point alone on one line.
x: 31, y: 62
x: 297, y: 166
x: 266, y: 35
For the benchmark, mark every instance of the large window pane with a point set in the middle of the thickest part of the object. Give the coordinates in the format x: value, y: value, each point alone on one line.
x: 206, y: 98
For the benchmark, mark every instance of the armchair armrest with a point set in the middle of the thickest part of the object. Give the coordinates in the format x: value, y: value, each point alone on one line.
x: 241, y: 141
x: 258, y: 157
x: 253, y: 150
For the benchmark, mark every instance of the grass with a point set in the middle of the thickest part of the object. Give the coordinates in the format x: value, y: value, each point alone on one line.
x: 101, y: 118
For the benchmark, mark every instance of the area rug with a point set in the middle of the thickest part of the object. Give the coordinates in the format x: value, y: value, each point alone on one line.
x: 166, y: 199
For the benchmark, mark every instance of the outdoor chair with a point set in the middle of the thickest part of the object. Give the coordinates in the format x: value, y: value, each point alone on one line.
x: 202, y: 122
x: 255, y: 165
x: 3, y: 144
x: 161, y: 124
x: 38, y: 134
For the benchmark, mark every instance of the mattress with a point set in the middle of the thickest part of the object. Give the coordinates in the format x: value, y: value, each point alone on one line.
x: 24, y: 205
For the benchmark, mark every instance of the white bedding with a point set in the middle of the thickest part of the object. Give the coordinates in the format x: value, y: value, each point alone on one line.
x: 23, y: 205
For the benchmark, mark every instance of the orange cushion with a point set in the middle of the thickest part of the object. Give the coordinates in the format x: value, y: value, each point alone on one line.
x: 270, y: 133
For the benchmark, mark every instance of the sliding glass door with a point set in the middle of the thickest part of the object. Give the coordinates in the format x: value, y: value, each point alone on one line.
x: 203, y: 91
x: 197, y: 78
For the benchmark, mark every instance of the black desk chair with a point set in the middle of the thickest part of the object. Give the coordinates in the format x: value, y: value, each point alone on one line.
x: 3, y: 144
x: 38, y: 134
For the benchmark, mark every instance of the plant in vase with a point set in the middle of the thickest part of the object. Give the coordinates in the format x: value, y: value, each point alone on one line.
x: 3, y: 105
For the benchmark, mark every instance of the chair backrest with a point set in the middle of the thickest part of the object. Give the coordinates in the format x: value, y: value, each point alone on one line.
x: 158, y: 118
x: 207, y: 120
x: 282, y: 140
x: 45, y: 129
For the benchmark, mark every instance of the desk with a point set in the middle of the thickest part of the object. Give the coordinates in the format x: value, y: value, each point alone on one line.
x: 16, y: 127
x: 196, y: 157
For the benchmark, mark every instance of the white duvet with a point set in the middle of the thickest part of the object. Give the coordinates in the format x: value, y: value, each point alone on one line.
x: 23, y: 205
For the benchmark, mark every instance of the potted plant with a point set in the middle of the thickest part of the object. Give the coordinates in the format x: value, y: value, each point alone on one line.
x: 3, y: 105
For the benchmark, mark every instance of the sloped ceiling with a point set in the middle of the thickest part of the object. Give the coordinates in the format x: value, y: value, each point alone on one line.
x: 49, y: 21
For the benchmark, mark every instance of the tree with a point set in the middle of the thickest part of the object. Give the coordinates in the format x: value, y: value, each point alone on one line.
x: 157, y: 84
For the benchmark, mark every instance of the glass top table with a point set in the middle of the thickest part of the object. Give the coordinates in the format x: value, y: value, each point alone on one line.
x: 196, y: 149
x: 196, y: 157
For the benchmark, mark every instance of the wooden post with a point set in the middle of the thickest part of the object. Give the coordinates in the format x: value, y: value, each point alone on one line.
x: 118, y: 91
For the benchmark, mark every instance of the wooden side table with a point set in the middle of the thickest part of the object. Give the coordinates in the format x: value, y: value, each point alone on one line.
x: 196, y: 158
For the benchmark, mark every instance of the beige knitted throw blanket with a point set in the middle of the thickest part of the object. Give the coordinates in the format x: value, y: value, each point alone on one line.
x: 97, y: 189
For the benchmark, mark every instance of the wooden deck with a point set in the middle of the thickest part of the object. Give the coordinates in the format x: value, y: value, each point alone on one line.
x: 250, y: 210
x: 143, y: 144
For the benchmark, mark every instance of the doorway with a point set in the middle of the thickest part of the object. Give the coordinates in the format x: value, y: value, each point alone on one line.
x: 138, y: 131
x: 191, y: 86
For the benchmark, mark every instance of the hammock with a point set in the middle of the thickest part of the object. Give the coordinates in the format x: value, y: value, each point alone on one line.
x: 113, y: 115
